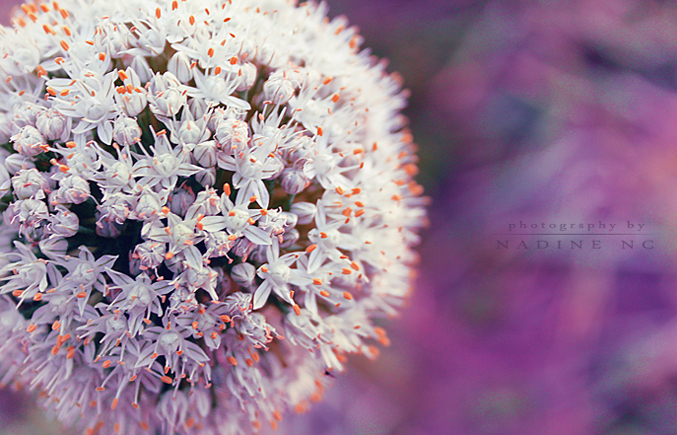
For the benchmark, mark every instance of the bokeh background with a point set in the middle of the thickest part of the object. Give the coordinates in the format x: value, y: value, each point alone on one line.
x: 532, y: 111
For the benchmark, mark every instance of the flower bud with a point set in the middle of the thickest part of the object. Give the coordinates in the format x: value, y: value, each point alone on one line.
x: 180, y: 200
x: 232, y: 135
x: 289, y: 238
x: 305, y: 212
x: 243, y: 274
x: 53, y: 247
x: 28, y: 141
x: 179, y: 65
x: 205, y: 154
x: 5, y: 181
x: 191, y: 134
x: 65, y: 223
x: 278, y: 90
x: 206, y: 177
x: 16, y: 162
x: 126, y: 131
x: 28, y: 182
x: 294, y: 181
x: 247, y: 78
x: 52, y: 124
x: 73, y: 190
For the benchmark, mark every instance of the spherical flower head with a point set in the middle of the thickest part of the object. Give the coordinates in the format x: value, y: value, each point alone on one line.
x: 206, y: 203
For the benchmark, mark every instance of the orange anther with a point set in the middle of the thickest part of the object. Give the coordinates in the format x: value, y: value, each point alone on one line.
x: 17, y: 293
x: 348, y: 296
x: 311, y: 248
x: 232, y: 360
x: 64, y: 45
x: 64, y: 13
x: 217, y: 70
x: 327, y: 80
x: 346, y: 271
x: 64, y: 92
x: 297, y: 309
x: 323, y: 235
x: 169, y: 255
x: 166, y: 379
x: 123, y: 75
x: 158, y: 12
x: 32, y: 327
x: 359, y: 213
x: 340, y: 190
x: 102, y: 56
x: 175, y: 5
x: 191, y: 20
x: 233, y: 60
x: 210, y: 52
x: 353, y: 42
x: 320, y: 131
x: 335, y: 98
x: 226, y: 189
x: 324, y: 293
x: 317, y: 281
x: 51, y: 91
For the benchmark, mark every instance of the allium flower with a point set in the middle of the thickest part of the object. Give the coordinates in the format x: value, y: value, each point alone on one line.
x: 206, y: 205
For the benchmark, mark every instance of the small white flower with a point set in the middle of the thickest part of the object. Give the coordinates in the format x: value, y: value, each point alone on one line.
x: 28, y: 182
x: 72, y: 190
x: 166, y: 95
x: 53, y: 125
x: 179, y: 65
x: 29, y: 142
x: 131, y: 96
x: 126, y: 131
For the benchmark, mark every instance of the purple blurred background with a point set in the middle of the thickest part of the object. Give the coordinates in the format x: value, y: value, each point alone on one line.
x: 539, y: 112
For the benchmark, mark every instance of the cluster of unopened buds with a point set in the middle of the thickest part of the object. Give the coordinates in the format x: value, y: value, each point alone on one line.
x: 207, y: 205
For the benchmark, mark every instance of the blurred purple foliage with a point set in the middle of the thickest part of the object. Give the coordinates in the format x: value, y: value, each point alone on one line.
x: 545, y: 111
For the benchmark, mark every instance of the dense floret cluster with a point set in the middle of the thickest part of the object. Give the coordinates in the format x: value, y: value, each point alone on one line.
x: 206, y: 205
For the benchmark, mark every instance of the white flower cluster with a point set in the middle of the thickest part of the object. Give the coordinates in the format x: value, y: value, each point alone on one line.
x: 206, y: 205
